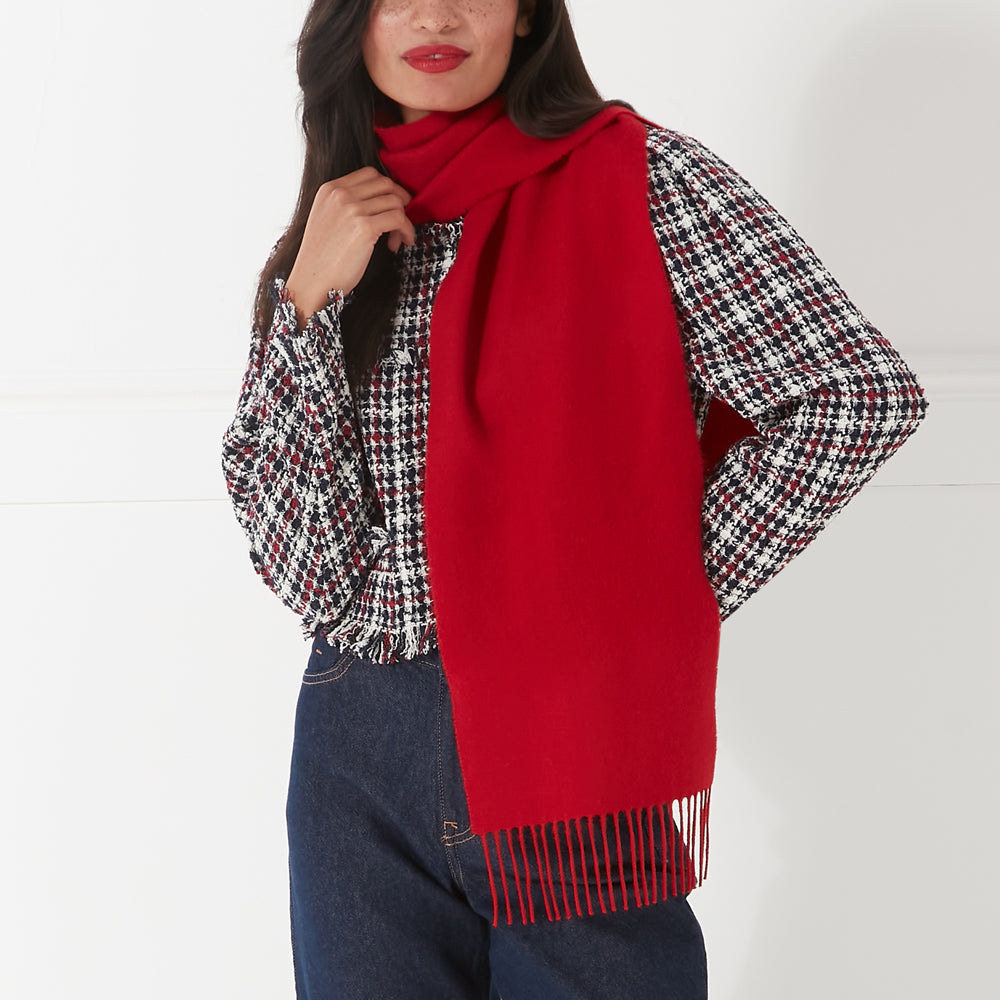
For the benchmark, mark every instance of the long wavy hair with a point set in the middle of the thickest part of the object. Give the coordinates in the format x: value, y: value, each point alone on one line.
x: 549, y: 94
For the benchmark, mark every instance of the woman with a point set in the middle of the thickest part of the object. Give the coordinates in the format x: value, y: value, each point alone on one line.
x: 512, y: 552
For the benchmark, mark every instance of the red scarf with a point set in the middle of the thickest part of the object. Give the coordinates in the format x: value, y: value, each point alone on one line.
x: 577, y: 628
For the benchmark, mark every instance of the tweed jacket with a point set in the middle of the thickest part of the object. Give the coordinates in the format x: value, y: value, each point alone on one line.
x: 319, y: 484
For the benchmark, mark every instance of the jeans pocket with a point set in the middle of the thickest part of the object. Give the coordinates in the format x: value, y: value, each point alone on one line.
x: 326, y: 663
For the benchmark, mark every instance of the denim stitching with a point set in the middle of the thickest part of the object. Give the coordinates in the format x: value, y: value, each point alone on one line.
x: 454, y: 864
x: 450, y: 839
x: 340, y: 667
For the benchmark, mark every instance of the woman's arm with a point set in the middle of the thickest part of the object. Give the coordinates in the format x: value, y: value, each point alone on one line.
x: 294, y: 467
x: 767, y: 329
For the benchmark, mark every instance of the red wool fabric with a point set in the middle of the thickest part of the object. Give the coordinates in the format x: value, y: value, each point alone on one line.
x: 723, y: 428
x: 577, y: 628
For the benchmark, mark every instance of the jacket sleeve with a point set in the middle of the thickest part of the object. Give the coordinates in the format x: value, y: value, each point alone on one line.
x: 294, y: 467
x: 768, y: 330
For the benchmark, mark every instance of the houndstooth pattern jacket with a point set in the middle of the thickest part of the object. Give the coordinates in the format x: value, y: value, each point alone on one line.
x: 765, y: 327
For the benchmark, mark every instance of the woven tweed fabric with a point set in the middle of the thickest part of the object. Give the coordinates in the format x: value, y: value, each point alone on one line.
x: 765, y: 328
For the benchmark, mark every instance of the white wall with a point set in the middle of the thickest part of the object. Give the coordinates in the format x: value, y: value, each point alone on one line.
x: 150, y: 679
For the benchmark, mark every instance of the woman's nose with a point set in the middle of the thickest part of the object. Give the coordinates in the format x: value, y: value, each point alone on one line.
x: 434, y: 15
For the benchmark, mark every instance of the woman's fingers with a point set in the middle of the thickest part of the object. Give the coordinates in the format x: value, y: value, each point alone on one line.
x: 377, y: 203
x: 367, y: 192
x: 407, y: 231
x: 348, y: 216
x: 368, y: 181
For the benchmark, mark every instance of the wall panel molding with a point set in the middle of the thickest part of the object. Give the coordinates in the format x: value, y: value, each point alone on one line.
x: 120, y: 435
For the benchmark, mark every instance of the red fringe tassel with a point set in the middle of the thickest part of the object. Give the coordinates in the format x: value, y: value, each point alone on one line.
x: 565, y: 868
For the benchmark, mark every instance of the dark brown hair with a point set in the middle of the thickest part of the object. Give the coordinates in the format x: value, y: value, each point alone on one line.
x: 549, y: 93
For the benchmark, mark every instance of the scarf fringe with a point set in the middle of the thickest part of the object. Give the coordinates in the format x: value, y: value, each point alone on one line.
x: 594, y: 864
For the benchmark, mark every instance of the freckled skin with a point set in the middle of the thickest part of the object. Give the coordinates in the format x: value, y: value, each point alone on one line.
x: 484, y: 28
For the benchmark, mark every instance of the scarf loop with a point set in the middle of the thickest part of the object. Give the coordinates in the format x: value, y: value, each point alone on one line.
x: 577, y: 628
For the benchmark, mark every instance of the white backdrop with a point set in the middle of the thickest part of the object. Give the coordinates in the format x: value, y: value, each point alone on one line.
x: 149, y: 679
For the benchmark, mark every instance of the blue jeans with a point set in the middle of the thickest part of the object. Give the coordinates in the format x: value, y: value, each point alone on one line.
x: 389, y: 894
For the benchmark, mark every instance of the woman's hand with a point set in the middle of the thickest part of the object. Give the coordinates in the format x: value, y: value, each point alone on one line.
x: 347, y: 217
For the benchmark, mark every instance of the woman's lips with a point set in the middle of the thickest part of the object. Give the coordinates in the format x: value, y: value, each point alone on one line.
x: 435, y: 58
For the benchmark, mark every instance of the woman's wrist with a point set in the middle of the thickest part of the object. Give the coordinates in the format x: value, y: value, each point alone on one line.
x: 309, y: 302
x: 306, y: 303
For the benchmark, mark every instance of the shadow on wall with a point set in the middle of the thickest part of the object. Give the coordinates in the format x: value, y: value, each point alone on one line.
x: 854, y: 694
x: 858, y: 703
x: 898, y: 133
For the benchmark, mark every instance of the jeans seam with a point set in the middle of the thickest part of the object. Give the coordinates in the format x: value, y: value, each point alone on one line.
x: 461, y: 837
x: 451, y: 856
x: 340, y: 667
